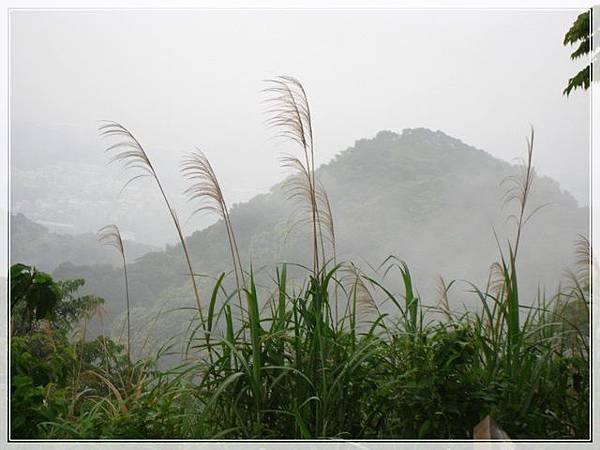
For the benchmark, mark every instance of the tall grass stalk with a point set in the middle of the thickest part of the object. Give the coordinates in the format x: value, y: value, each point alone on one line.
x: 132, y: 156
x: 289, y: 112
x: 111, y: 236
x: 205, y: 188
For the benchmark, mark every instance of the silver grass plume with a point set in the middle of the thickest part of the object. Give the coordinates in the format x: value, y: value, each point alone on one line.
x: 111, y: 236
x: 206, y: 190
x: 519, y: 190
x: 130, y: 153
x: 289, y: 112
x: 442, y: 291
x: 357, y: 290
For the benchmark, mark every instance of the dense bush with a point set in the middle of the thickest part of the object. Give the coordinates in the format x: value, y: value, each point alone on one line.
x: 45, y: 361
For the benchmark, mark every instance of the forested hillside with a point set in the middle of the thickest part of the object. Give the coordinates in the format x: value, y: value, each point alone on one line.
x: 423, y: 196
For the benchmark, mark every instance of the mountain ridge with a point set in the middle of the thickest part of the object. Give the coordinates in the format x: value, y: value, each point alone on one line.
x: 422, y: 195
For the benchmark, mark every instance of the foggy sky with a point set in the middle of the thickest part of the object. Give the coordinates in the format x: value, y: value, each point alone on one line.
x: 180, y: 79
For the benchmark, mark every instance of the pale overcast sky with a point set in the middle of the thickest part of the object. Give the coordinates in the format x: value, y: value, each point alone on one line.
x: 181, y: 79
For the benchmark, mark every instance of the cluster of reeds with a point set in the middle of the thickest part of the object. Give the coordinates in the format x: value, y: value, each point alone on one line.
x: 294, y: 366
x: 289, y: 112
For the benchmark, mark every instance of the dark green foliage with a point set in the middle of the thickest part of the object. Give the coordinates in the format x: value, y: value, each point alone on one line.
x: 428, y: 387
x: 580, y: 34
x: 41, y: 369
x: 33, y: 296
x: 44, y: 363
x: 580, y: 81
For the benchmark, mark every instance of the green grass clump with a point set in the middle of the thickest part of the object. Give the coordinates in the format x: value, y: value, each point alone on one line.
x: 290, y: 370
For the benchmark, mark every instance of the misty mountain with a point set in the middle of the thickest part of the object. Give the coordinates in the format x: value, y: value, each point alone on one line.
x: 423, y: 196
x: 34, y: 244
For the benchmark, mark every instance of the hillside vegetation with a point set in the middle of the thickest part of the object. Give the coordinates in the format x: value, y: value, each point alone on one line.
x: 420, y: 195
